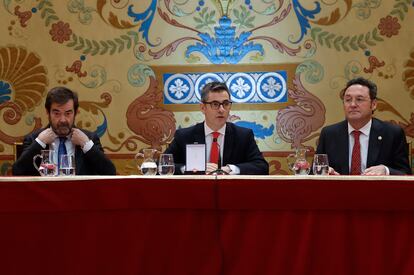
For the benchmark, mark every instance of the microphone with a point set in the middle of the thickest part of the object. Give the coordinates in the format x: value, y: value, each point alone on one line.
x: 218, y: 171
x: 219, y: 158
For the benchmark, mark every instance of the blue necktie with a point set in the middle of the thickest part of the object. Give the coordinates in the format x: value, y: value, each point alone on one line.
x: 61, y: 149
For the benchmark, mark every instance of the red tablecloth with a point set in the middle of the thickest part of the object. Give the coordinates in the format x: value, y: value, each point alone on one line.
x: 184, y: 225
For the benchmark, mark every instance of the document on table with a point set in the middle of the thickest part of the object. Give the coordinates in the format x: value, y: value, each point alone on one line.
x: 195, y: 157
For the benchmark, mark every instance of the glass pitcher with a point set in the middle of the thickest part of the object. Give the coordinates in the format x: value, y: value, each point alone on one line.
x: 297, y: 162
x: 148, y: 166
x: 47, y: 165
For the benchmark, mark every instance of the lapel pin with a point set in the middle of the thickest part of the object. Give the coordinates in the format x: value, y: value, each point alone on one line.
x: 379, y: 137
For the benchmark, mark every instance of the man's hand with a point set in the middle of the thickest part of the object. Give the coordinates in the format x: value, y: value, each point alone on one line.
x: 79, y: 137
x: 226, y: 169
x: 332, y: 171
x: 47, y: 136
x: 377, y: 170
x: 213, y: 167
x: 210, y: 167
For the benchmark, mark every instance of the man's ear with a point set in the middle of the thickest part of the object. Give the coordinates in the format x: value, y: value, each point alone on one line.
x: 374, y: 104
x: 203, y: 108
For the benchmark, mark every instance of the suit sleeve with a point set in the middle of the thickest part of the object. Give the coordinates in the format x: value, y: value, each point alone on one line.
x: 399, y: 165
x: 254, y: 163
x: 177, y: 149
x: 24, y: 165
x: 97, y: 159
x: 320, y: 149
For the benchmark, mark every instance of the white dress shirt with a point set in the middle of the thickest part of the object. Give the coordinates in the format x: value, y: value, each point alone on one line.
x: 364, y: 142
x: 220, y: 140
x: 70, y: 147
x: 209, y: 140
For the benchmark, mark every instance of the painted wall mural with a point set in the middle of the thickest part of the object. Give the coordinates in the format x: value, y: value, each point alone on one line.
x: 138, y: 66
x: 244, y: 87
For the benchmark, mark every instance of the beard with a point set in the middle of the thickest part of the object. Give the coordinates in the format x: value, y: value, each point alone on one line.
x: 62, y: 129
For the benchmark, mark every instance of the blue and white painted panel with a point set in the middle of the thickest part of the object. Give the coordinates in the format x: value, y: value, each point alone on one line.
x: 245, y: 87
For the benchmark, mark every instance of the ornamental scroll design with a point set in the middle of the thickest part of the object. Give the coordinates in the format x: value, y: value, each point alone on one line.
x: 223, y: 45
x: 154, y: 126
x: 408, y: 75
x: 296, y: 122
x: 406, y: 124
x: 23, y: 81
x: 386, y: 27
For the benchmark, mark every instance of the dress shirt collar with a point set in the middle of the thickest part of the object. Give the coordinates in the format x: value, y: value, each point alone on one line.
x: 208, y: 130
x: 70, y: 147
x: 364, y: 130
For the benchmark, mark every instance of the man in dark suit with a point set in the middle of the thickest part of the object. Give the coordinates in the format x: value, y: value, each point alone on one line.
x: 238, y: 151
x: 362, y: 144
x: 61, y: 107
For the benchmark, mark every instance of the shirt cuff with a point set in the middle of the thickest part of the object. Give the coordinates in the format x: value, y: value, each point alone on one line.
x: 234, y: 169
x: 387, y: 170
x: 41, y: 143
x: 87, y: 146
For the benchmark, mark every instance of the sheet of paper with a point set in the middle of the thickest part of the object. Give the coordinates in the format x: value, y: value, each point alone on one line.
x: 195, y: 157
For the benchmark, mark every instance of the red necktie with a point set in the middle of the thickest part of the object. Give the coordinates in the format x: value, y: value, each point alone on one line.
x: 356, y: 155
x: 214, y: 153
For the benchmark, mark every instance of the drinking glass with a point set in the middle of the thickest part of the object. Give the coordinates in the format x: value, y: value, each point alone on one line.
x: 67, y: 165
x: 166, y: 165
x: 320, y: 164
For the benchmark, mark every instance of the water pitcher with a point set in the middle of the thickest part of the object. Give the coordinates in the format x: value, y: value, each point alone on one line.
x: 47, y: 165
x: 297, y: 162
x: 148, y: 166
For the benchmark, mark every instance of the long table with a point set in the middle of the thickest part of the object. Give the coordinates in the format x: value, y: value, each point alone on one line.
x: 234, y: 225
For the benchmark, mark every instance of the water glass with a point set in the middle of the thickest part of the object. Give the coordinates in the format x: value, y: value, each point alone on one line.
x: 320, y: 164
x: 67, y: 165
x: 166, y: 165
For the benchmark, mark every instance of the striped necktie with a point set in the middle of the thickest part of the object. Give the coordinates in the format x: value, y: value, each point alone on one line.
x: 356, y: 155
x: 62, y: 149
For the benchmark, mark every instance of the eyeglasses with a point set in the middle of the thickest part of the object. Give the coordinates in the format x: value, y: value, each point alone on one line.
x: 357, y: 101
x: 215, y: 105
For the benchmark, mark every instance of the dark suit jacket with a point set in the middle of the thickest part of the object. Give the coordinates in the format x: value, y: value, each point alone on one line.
x: 94, y: 162
x: 240, y: 148
x: 387, y: 146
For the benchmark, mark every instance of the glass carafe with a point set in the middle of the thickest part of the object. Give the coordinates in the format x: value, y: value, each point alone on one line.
x: 146, y: 162
x: 47, y: 165
x: 297, y: 162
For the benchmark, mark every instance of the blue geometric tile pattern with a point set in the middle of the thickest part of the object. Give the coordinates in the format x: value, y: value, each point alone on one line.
x: 245, y: 87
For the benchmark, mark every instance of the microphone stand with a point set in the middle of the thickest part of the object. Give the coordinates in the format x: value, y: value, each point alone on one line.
x: 218, y: 171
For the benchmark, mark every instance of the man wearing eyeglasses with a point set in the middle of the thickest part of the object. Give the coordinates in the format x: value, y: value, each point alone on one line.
x: 232, y: 146
x: 361, y: 144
